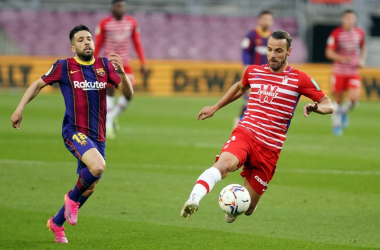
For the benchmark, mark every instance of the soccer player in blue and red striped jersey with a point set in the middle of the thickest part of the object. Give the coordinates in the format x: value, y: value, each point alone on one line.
x: 254, y: 47
x: 83, y: 80
x: 254, y: 44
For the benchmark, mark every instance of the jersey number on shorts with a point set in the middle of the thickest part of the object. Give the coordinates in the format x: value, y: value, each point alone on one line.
x: 80, y: 138
x: 228, y: 142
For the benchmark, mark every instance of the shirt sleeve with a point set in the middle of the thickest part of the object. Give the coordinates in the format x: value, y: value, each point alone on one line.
x: 332, y: 41
x: 113, y: 75
x: 309, y: 88
x: 246, y: 76
x: 54, y: 74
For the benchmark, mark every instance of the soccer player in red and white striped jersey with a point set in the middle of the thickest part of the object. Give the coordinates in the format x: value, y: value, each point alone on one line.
x: 116, y: 34
x: 346, y: 47
x: 257, y: 141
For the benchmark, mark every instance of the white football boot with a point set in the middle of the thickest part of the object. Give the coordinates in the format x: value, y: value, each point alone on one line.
x: 189, y: 208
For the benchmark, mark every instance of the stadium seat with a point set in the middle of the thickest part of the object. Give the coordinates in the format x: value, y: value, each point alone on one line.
x: 176, y: 36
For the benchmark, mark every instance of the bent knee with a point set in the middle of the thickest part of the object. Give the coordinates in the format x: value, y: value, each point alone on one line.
x: 98, y: 168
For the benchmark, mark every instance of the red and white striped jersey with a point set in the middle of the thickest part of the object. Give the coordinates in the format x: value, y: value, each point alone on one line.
x: 116, y: 36
x: 273, y: 99
x: 347, y: 43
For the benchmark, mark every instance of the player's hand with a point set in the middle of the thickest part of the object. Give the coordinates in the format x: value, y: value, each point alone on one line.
x: 143, y: 69
x: 310, y: 108
x: 16, y: 119
x: 116, y: 60
x: 206, y: 112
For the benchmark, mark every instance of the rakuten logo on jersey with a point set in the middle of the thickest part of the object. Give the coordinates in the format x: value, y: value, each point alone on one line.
x: 267, y: 94
x: 90, y: 85
x: 264, y: 183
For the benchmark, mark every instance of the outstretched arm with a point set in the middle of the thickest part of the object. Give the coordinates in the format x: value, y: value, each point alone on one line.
x: 30, y: 93
x: 233, y: 93
x: 323, y: 106
x: 125, y: 85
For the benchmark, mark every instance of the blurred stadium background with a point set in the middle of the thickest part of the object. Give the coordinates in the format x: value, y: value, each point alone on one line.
x: 192, y: 30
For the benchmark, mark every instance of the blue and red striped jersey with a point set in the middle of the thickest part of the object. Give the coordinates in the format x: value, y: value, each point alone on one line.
x: 254, y: 47
x: 83, y: 86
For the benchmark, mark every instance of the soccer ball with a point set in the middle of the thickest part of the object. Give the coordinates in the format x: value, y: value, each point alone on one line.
x: 234, y: 199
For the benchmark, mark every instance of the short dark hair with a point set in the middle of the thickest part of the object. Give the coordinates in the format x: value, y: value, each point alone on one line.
x: 265, y: 12
x: 282, y: 34
x: 116, y: 1
x: 349, y: 11
x: 76, y: 29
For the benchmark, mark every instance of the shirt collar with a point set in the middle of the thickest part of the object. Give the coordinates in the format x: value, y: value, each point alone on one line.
x: 83, y: 62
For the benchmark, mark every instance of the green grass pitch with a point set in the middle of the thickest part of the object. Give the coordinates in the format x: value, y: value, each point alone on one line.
x: 324, y: 195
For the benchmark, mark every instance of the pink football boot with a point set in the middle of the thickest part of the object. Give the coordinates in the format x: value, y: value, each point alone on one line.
x: 58, y: 231
x: 71, y: 210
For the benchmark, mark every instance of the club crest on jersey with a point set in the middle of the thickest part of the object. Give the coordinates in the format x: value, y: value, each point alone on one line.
x: 267, y: 93
x: 100, y: 72
x: 83, y: 142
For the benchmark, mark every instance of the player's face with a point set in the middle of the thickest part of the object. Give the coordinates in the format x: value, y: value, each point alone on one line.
x: 348, y: 21
x: 277, y: 54
x: 265, y: 21
x: 83, y: 45
x: 119, y: 9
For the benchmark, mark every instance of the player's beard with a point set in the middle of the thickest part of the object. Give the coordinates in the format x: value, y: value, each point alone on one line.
x: 85, y: 56
x: 276, y: 68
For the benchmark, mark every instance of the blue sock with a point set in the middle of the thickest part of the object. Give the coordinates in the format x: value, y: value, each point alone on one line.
x: 82, y: 200
x: 85, y: 180
x: 59, y: 218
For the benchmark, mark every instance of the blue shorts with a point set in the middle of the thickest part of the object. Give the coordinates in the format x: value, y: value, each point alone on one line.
x: 78, y: 143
